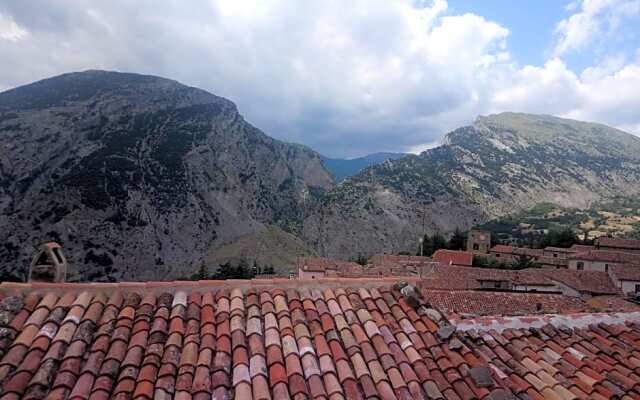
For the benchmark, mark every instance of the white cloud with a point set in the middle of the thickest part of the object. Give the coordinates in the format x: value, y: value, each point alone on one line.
x: 595, y: 19
x: 9, y: 30
x: 346, y: 78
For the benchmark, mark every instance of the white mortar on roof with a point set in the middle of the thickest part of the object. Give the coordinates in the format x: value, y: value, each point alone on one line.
x: 499, y: 324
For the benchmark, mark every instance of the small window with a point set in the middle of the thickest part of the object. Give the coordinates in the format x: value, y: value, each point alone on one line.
x: 497, y: 255
x: 637, y: 288
x: 555, y: 255
x: 476, y: 246
x: 497, y: 285
x: 606, y: 268
x: 580, y: 266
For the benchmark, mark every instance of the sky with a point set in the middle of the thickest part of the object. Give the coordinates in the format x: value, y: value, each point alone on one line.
x: 349, y: 78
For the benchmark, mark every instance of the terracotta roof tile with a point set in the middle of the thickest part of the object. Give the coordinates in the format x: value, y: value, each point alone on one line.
x: 350, y: 341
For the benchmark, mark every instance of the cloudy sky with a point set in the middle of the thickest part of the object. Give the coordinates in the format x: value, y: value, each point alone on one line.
x: 353, y: 77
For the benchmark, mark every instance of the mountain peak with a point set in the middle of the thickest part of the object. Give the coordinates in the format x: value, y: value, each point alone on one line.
x: 90, y: 84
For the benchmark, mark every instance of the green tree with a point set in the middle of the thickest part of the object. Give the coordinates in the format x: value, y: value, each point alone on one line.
x: 457, y: 240
x: 524, y: 261
x: 203, y: 272
x: 485, y: 262
x: 559, y: 237
x: 430, y: 244
x: 224, y: 271
x: 360, y: 259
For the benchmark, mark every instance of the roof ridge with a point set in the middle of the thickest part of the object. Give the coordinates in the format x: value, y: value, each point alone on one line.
x: 324, y: 282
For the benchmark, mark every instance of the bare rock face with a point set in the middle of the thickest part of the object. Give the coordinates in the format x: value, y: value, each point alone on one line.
x: 500, y: 165
x: 140, y: 177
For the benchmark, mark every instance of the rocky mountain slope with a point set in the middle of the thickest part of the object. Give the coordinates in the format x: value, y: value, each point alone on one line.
x: 501, y: 164
x: 342, y: 168
x: 140, y: 177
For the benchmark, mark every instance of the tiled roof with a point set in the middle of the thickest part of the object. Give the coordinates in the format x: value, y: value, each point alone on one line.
x: 460, y: 302
x: 322, y: 264
x: 607, y: 256
x: 581, y: 248
x: 627, y: 272
x: 506, y: 249
x: 502, y: 248
x: 528, y: 252
x: 595, y: 282
x: 555, y: 261
x: 389, y: 260
x: 612, y: 303
x: 458, y: 278
x: 619, y: 243
x: 468, y: 278
x: 453, y: 257
x: 304, y: 339
x: 558, y: 249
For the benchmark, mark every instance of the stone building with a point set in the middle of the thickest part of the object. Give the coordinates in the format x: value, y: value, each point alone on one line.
x: 479, y: 241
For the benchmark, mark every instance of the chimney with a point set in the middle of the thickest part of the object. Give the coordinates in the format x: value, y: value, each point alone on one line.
x: 48, y: 264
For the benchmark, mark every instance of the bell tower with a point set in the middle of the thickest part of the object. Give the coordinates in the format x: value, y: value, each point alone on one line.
x: 479, y: 241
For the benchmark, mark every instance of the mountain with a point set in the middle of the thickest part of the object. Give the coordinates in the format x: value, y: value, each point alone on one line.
x: 140, y: 177
x: 343, y: 168
x: 500, y: 165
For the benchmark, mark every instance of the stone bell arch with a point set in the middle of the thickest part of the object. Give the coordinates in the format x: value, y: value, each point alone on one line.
x: 49, y: 264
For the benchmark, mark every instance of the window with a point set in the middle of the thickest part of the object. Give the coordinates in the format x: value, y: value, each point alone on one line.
x: 555, y: 255
x: 497, y: 255
x: 476, y: 246
x: 580, y: 266
x: 637, y: 289
x: 497, y: 285
x: 606, y: 268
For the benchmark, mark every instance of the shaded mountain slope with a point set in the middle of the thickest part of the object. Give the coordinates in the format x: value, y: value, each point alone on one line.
x: 140, y: 176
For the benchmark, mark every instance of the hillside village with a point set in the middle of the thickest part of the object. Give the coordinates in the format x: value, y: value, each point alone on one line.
x: 582, y: 277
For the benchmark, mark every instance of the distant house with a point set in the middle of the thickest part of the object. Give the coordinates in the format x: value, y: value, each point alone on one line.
x: 627, y: 278
x: 503, y: 253
x: 320, y: 267
x: 314, y: 267
x: 389, y: 260
x: 566, y: 282
x: 557, y: 252
x: 509, y: 254
x: 616, y: 244
x: 456, y: 258
x: 494, y: 284
x: 601, y: 260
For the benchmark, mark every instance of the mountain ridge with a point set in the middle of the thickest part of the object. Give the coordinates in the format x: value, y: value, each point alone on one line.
x: 481, y: 171
x: 141, y: 176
